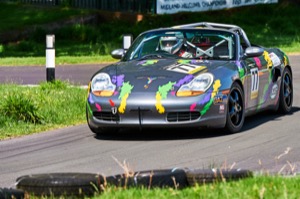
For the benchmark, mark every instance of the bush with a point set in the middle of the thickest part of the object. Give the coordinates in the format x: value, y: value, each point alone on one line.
x: 21, y: 108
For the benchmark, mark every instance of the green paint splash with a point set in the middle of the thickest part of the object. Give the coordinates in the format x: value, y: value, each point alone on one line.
x: 125, y: 89
x: 165, y: 89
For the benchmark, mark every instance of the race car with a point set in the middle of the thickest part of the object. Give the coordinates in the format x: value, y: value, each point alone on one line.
x: 200, y: 75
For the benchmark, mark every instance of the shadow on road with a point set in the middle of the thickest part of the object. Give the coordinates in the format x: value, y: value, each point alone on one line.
x: 160, y: 134
x: 263, y: 117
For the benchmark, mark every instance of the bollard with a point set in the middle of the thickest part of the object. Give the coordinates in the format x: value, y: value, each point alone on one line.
x: 50, y: 58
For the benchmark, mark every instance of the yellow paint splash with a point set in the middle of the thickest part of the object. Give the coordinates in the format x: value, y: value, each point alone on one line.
x: 122, y: 106
x: 158, y: 104
x: 268, y: 59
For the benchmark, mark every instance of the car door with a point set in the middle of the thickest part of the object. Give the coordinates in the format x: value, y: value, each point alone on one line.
x: 258, y: 79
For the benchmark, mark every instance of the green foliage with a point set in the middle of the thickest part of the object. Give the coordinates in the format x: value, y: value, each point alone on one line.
x: 26, y: 110
x: 57, y: 85
x: 276, y: 29
x: 19, y: 107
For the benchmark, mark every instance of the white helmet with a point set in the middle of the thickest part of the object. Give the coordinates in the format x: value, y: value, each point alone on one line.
x: 170, y: 44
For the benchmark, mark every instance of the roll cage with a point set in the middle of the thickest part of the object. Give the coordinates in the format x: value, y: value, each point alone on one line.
x: 229, y: 27
x: 242, y: 41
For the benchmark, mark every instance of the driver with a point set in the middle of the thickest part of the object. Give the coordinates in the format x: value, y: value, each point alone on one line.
x: 175, y: 45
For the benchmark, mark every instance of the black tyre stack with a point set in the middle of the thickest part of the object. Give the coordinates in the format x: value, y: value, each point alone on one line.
x: 88, y: 184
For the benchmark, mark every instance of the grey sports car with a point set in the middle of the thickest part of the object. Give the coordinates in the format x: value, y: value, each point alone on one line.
x: 193, y: 75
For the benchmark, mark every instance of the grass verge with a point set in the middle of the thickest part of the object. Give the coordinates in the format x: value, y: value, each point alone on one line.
x: 267, y: 187
x: 26, y: 110
x: 260, y: 186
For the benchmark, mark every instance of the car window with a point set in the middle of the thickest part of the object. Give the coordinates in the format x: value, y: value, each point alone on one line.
x: 189, y: 44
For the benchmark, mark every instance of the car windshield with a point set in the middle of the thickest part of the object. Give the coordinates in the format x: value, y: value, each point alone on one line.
x: 183, y: 44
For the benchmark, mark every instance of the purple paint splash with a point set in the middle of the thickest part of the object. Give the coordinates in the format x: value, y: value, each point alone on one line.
x: 185, y: 80
x: 142, y: 62
x: 118, y: 80
x: 206, y: 98
x: 91, y: 99
x: 268, y: 93
x: 238, y: 63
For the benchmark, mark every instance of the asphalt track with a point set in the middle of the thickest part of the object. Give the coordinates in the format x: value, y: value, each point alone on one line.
x: 268, y: 142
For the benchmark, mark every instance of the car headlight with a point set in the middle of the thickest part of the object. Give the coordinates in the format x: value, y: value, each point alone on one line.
x: 197, y: 86
x: 101, y: 85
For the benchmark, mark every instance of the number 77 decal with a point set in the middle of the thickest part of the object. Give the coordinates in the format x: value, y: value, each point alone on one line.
x: 254, y: 82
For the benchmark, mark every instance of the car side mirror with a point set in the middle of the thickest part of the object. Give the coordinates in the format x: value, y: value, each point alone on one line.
x: 118, y: 53
x: 253, y: 51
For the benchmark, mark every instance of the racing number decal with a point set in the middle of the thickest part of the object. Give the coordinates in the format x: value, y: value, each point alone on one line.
x: 186, y: 68
x: 254, y: 83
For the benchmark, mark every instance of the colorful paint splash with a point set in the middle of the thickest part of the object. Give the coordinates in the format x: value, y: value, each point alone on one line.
x: 286, y: 60
x: 118, y: 80
x: 184, y: 80
x: 216, y: 86
x: 258, y: 63
x: 193, y: 106
x: 111, y: 103
x: 241, y: 69
x: 125, y: 91
x: 268, y: 59
x: 206, y: 98
x: 98, y: 107
x: 148, y: 62
x: 91, y: 99
x: 162, y: 94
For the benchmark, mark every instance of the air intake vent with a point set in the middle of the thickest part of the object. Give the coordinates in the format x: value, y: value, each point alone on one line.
x: 183, y: 116
x: 106, y: 116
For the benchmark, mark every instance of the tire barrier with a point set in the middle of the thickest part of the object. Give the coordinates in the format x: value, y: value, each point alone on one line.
x: 87, y: 184
x: 203, y: 176
x: 58, y: 184
x: 173, y: 178
x: 6, y: 193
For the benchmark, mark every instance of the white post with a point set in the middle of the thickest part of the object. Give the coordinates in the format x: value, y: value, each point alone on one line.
x: 50, y: 57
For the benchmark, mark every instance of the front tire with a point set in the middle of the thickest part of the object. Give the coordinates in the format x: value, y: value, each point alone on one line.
x: 286, y: 92
x: 235, y: 109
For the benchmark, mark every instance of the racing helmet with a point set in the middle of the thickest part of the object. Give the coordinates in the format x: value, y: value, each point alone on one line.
x: 170, y: 44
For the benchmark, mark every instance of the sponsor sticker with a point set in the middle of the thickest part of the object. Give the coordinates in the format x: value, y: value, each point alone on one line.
x: 274, y: 91
x: 275, y: 59
x: 222, y: 108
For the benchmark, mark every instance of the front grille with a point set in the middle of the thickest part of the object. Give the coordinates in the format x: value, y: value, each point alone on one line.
x: 183, y: 116
x: 106, y: 116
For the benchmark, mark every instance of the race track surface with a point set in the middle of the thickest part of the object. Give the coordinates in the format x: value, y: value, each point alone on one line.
x: 268, y: 143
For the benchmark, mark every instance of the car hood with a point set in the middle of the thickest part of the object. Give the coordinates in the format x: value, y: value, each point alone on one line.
x: 151, y: 74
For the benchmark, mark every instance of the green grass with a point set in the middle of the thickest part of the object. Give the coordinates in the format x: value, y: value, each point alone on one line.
x: 267, y: 187
x: 93, y: 43
x: 63, y: 60
x: 26, y: 110
x: 259, y: 186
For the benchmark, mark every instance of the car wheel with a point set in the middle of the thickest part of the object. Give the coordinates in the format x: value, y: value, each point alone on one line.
x: 286, y: 92
x: 100, y: 130
x: 235, y: 109
x: 204, y: 176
